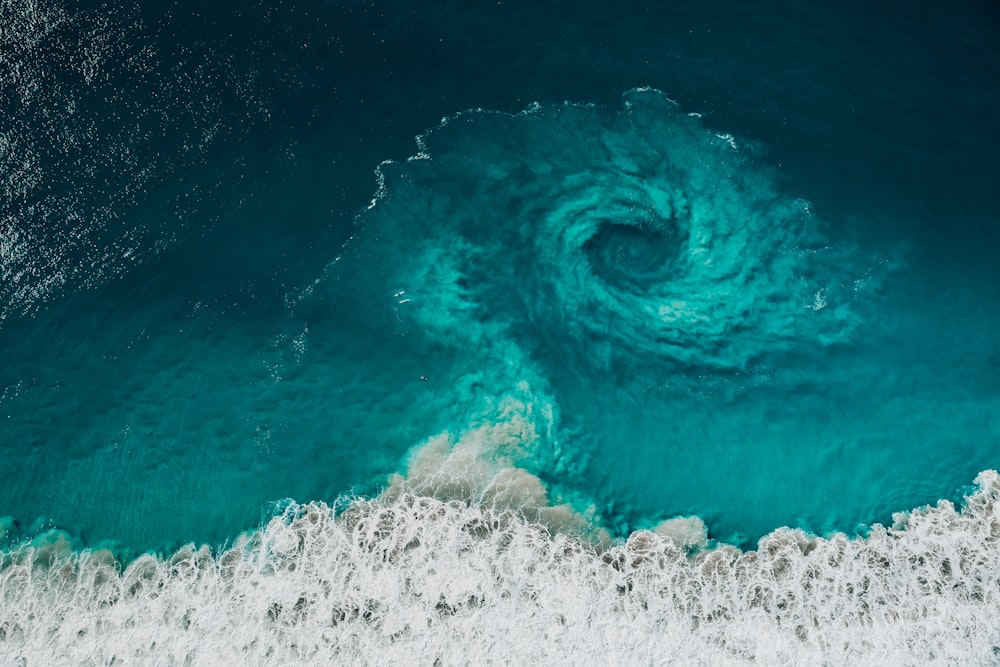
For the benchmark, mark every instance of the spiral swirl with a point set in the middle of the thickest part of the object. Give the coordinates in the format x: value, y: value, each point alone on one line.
x: 638, y: 229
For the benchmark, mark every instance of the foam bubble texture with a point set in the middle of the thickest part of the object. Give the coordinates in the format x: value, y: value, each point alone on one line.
x: 418, y: 578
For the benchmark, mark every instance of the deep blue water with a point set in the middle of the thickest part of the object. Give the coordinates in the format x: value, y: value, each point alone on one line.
x: 182, y: 348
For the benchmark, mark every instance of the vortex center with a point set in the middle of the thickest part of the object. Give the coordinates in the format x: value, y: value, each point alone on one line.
x: 636, y: 254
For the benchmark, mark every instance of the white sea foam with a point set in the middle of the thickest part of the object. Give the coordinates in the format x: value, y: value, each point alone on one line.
x: 411, y: 578
x: 465, y: 559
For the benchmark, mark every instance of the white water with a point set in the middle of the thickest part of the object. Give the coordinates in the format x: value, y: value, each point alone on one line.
x: 411, y: 578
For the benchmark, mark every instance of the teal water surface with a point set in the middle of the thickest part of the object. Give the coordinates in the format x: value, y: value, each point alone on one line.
x: 771, y: 302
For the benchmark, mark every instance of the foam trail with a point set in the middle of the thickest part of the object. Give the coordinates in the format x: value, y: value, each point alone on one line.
x: 415, y: 577
x: 486, y: 466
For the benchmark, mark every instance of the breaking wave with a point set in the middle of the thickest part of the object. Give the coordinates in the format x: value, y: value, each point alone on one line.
x: 411, y: 577
x: 617, y: 244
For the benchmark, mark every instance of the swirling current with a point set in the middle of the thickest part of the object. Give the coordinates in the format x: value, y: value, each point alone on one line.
x: 630, y: 248
x: 639, y: 230
x: 586, y: 383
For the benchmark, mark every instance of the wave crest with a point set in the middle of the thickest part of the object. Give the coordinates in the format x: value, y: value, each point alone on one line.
x: 414, y: 576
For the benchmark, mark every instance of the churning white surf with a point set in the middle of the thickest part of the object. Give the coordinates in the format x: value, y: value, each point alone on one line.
x: 407, y: 578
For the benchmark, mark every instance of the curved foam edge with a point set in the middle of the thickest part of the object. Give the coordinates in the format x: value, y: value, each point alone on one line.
x: 408, y: 576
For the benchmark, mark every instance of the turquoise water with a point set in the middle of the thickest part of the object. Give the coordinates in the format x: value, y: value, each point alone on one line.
x: 706, y: 343
x: 498, y: 332
x: 768, y: 303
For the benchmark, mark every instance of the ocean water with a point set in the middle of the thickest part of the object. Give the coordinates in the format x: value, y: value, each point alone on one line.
x: 479, y: 332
